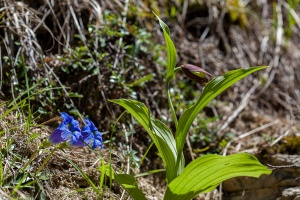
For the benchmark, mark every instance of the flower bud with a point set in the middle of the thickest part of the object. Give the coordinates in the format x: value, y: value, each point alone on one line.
x: 196, y: 73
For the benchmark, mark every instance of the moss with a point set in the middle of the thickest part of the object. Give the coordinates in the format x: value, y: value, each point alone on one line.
x: 290, y: 145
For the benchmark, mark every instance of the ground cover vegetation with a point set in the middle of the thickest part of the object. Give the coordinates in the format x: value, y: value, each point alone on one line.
x: 65, y: 65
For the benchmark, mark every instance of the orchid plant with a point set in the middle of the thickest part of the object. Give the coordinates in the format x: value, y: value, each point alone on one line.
x: 206, y: 172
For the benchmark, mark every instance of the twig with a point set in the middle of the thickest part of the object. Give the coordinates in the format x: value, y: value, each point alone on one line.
x: 280, y: 137
x: 220, y: 29
x: 121, y: 39
x: 242, y: 105
x: 50, y: 71
x: 183, y: 15
x: 284, y: 166
x: 275, y: 62
x: 189, y: 146
x: 249, y: 133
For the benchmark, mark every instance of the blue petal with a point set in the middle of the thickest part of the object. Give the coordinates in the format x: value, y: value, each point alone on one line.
x: 90, y: 140
x: 97, y: 144
x: 74, y: 126
x: 98, y: 136
x: 91, y: 125
x: 67, y: 135
x: 94, y: 140
x: 77, y: 139
x: 86, y: 131
x: 67, y: 119
x: 68, y: 130
x: 55, y: 137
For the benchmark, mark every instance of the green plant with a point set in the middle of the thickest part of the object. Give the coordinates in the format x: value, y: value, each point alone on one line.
x: 279, y: 18
x: 204, y: 173
x: 237, y: 11
x: 291, y: 7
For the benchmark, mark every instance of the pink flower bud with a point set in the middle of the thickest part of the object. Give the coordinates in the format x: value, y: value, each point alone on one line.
x: 196, y: 73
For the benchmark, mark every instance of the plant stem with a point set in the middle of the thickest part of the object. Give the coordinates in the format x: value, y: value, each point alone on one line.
x: 30, y: 160
x: 171, y: 105
x: 45, y: 162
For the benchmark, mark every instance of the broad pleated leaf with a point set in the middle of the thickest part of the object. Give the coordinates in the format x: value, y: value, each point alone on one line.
x: 171, y: 50
x: 210, y: 91
x: 158, y: 131
x: 205, y: 173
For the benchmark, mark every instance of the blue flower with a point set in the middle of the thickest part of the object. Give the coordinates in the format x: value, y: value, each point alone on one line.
x: 67, y: 131
x: 92, y: 136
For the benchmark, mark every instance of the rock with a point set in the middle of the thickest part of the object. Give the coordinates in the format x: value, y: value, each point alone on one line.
x: 291, y: 194
x: 282, y: 184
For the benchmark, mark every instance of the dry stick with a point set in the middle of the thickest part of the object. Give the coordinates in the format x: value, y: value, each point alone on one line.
x: 275, y: 61
x: 15, y: 81
x: 121, y: 39
x: 239, y: 53
x: 249, y: 133
x: 183, y: 15
x: 285, y: 104
x: 118, y: 53
x: 106, y: 104
x: 263, y: 49
x: 292, y: 102
x: 220, y: 29
x: 200, y: 51
x: 41, y: 22
x: 249, y: 53
x: 151, y: 96
x: 242, y: 105
x: 99, y: 22
x: 285, y: 166
x: 280, y: 137
x: 264, y: 12
x: 5, y: 195
x: 189, y: 146
x: 79, y: 28
x: 1, y: 76
x: 64, y: 89
x: 59, y: 26
x: 128, y: 147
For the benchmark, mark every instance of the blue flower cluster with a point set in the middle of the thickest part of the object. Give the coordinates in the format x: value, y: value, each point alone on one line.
x: 69, y: 131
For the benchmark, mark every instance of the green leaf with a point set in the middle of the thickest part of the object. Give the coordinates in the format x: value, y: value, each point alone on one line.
x: 159, y: 133
x: 150, y: 172
x: 130, y: 185
x: 171, y: 50
x: 205, y: 173
x: 141, y: 80
x: 210, y: 91
x: 163, y: 25
x: 127, y: 181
